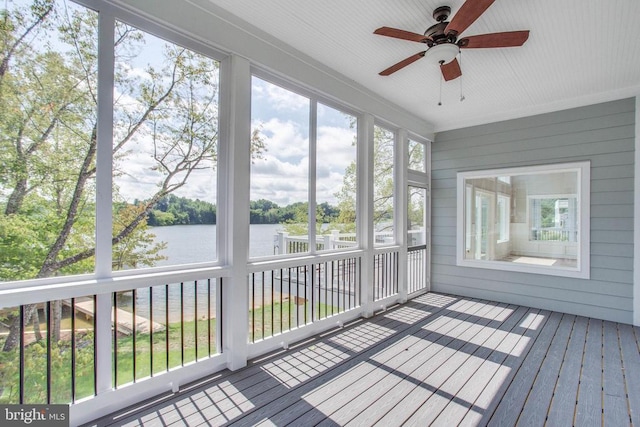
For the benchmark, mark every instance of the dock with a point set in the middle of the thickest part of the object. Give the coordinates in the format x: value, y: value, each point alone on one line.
x: 125, y: 318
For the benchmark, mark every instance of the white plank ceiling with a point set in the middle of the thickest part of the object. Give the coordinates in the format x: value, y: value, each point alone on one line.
x: 579, y: 52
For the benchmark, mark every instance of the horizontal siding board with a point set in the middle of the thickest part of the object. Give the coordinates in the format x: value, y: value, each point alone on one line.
x: 554, y: 148
x: 449, y: 231
x: 443, y: 221
x: 619, y: 136
x: 595, y: 311
x: 545, y: 286
x: 602, y: 166
x: 437, y: 240
x: 611, y: 197
x: 616, y: 263
x: 611, y: 172
x: 607, y: 236
x: 541, y: 121
x: 612, y: 224
x: 438, y: 184
x: 443, y: 250
x: 611, y: 249
x: 602, y: 134
x: 444, y: 202
x: 603, y: 185
x: 612, y: 211
x: 607, y: 274
x: 445, y: 212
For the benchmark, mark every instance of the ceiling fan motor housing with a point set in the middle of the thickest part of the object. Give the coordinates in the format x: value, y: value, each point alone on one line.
x: 441, y: 13
x: 436, y: 34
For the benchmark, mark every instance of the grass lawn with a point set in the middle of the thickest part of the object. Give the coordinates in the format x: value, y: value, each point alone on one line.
x: 185, y: 345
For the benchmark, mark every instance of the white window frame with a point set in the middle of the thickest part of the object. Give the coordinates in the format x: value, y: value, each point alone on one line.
x: 417, y: 142
x: 314, y: 100
x: 503, y: 227
x: 582, y: 270
x: 539, y: 197
x: 395, y: 210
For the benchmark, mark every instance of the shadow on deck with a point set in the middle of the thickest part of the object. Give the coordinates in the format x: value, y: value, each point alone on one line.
x: 439, y: 359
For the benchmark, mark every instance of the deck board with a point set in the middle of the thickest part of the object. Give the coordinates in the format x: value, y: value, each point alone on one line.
x: 613, y: 388
x: 563, y: 403
x: 631, y: 365
x: 401, y: 383
x: 542, y: 390
x: 486, y: 362
x: 589, y: 405
x: 282, y: 406
x: 422, y: 404
x: 437, y: 360
x: 386, y: 402
x: 509, y: 406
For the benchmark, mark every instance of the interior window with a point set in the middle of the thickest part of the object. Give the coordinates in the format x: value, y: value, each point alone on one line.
x: 533, y: 219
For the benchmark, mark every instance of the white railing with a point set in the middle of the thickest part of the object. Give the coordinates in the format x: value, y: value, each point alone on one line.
x: 284, y: 243
x: 287, y: 244
x: 555, y: 234
x: 139, y: 329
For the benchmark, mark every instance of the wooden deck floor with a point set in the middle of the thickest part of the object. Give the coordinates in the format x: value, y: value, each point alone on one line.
x: 438, y: 360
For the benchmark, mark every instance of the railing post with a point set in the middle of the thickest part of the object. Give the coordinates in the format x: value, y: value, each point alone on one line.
x: 335, y: 238
x: 282, y: 242
x: 328, y: 242
x: 103, y: 345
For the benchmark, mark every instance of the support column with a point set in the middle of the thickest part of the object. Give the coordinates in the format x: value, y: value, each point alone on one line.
x: 365, y: 209
x: 104, y: 188
x: 400, y: 216
x: 233, y: 232
x: 427, y: 221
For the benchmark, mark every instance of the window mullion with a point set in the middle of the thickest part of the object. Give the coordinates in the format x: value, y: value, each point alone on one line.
x: 313, y: 134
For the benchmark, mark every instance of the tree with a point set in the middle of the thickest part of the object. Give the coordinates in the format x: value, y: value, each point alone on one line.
x: 383, y: 149
x: 48, y: 139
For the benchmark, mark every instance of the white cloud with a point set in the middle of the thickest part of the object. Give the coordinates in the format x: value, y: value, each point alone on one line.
x: 334, y: 147
x: 278, y: 98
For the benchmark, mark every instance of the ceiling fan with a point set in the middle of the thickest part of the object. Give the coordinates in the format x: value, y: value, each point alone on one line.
x: 443, y: 42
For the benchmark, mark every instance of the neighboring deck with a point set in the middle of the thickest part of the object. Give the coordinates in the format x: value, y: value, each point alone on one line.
x: 440, y: 360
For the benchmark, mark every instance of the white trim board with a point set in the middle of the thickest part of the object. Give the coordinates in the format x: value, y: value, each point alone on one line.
x: 636, y: 221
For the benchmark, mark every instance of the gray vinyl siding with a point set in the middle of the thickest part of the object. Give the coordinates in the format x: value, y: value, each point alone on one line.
x: 604, y: 134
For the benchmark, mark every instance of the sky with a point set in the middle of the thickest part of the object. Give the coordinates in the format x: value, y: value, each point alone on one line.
x: 282, y: 175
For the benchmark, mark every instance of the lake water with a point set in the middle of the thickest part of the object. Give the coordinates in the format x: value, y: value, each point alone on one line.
x: 188, y: 244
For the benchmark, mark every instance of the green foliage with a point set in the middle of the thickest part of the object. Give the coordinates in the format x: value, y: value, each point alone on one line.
x: 383, y: 150
x: 548, y: 212
x: 35, y: 357
x: 173, y: 210
x: 136, y: 249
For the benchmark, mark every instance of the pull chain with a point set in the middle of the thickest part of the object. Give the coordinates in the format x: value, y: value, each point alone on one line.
x: 462, y: 98
x: 441, y: 77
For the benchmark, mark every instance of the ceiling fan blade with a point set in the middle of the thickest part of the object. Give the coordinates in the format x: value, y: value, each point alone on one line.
x: 401, y: 34
x: 451, y: 70
x: 507, y: 39
x: 400, y: 65
x: 466, y: 15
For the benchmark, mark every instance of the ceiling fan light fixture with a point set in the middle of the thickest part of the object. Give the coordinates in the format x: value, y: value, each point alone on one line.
x: 442, y: 53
